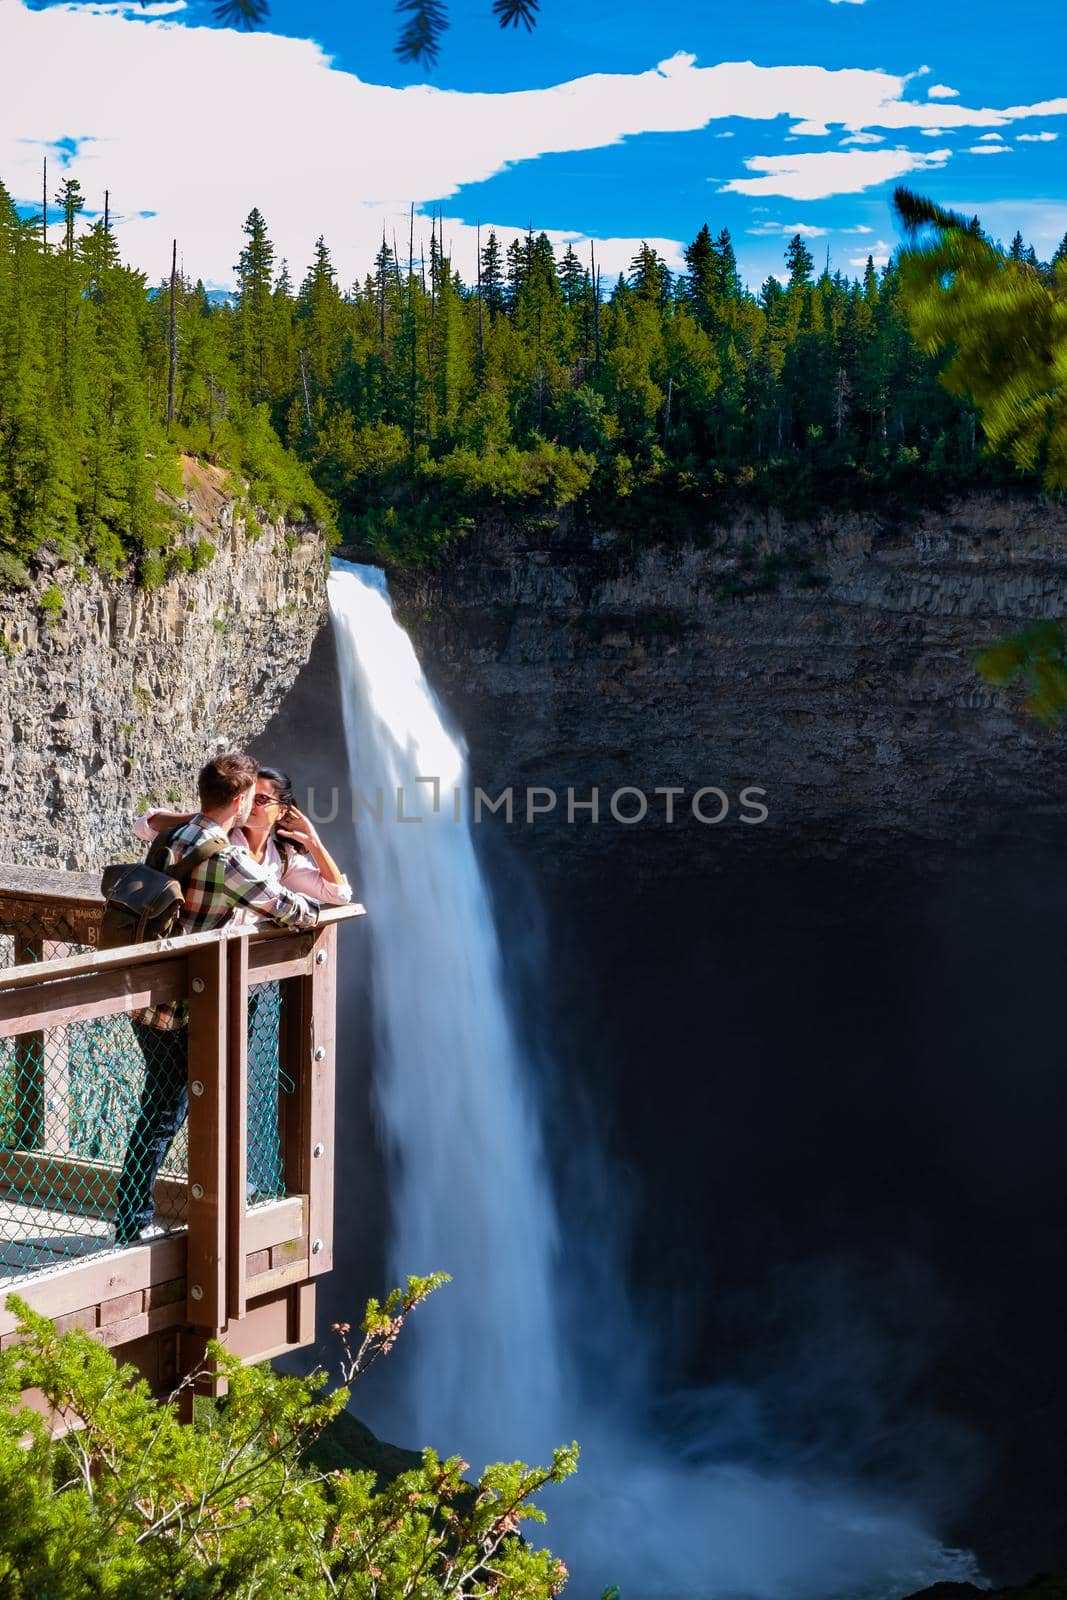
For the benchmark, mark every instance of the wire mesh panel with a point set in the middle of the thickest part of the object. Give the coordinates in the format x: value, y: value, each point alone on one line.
x: 76, y: 1145
x: 265, y: 1082
x: 93, y: 1130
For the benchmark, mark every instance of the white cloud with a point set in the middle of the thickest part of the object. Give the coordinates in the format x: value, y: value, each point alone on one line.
x: 809, y: 130
x: 847, y: 2
x: 859, y: 228
x: 1035, y: 138
x: 807, y: 230
x: 941, y: 91
x: 866, y: 138
x: 994, y: 137
x: 815, y: 176
x: 131, y: 8
x: 879, y: 254
x: 988, y: 150
x: 936, y: 133
x: 269, y: 121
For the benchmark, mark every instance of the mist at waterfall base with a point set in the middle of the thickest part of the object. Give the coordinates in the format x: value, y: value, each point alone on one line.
x: 536, y: 1340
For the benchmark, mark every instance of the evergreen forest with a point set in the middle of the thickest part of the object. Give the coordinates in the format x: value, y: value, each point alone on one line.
x: 394, y: 411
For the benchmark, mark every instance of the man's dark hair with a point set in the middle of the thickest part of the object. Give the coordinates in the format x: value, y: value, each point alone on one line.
x: 225, y: 777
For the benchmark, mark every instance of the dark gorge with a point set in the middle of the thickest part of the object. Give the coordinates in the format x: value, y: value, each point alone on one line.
x: 814, y: 1063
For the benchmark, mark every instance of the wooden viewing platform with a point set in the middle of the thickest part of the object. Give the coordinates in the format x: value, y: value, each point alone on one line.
x: 231, y: 1266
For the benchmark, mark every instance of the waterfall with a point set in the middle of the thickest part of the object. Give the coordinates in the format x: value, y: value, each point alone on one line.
x: 469, y: 1190
x: 492, y: 1370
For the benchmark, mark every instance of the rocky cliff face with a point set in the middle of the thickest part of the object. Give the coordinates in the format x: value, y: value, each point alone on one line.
x: 829, y: 665
x: 117, y: 699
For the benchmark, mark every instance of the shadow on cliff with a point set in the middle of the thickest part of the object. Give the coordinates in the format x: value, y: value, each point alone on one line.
x: 829, y: 1102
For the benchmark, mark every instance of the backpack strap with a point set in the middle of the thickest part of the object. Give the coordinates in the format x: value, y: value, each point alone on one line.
x: 196, y: 857
x: 161, y: 856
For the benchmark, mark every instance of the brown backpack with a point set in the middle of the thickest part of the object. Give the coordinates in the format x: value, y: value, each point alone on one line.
x: 143, y: 902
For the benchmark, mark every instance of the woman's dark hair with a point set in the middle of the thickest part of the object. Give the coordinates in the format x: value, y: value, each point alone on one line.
x: 281, y: 781
x: 284, y: 785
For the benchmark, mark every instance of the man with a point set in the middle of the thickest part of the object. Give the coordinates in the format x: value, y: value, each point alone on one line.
x: 226, y: 881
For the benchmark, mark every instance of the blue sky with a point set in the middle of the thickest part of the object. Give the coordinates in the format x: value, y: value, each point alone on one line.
x: 571, y: 129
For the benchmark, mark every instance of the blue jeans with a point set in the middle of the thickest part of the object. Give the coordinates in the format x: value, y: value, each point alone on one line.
x: 164, y: 1104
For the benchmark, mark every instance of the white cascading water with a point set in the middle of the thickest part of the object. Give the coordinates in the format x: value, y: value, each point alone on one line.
x: 468, y: 1189
x: 489, y: 1372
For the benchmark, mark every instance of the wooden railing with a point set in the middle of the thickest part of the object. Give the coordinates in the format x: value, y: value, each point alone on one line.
x: 242, y: 1272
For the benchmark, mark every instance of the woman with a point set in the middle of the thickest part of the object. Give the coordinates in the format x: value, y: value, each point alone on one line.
x: 277, y: 835
x: 282, y: 839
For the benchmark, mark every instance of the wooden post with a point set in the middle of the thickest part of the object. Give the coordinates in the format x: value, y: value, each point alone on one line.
x: 321, y: 1117
x: 237, y: 1134
x: 309, y: 1043
x: 31, y: 1089
x: 292, y: 1108
x: 55, y: 1070
x: 206, y: 1278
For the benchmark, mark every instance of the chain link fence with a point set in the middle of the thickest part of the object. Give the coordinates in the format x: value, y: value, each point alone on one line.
x: 88, y: 1109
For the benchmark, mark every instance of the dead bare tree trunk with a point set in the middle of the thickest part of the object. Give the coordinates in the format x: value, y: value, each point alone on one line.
x: 304, y: 385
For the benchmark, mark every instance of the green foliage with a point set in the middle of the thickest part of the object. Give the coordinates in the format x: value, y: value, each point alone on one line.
x: 397, y: 412
x: 1003, y: 321
x: 14, y: 574
x: 1002, y: 318
x: 546, y: 474
x: 152, y: 572
x: 88, y: 459
x: 51, y: 602
x: 130, y: 1502
x: 1037, y: 657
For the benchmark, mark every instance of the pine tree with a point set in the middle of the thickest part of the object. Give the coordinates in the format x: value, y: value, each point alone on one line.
x: 702, y: 276
x: 254, y: 269
x: 320, y: 317
x: 650, y: 276
x: 573, y: 278
x: 800, y: 261
x: 726, y: 278
x: 492, y: 277
x: 71, y: 201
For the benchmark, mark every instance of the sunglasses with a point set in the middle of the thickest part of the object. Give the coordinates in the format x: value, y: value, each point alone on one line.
x: 267, y: 800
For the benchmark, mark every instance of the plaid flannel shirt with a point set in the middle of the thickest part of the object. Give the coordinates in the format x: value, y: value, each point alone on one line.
x: 216, y: 890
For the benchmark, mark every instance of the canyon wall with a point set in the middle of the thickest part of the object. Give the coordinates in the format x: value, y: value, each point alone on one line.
x: 113, y: 702
x: 829, y: 664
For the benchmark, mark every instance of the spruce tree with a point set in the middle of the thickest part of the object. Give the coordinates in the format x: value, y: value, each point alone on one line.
x: 800, y: 262
x: 492, y: 277
x: 254, y: 269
